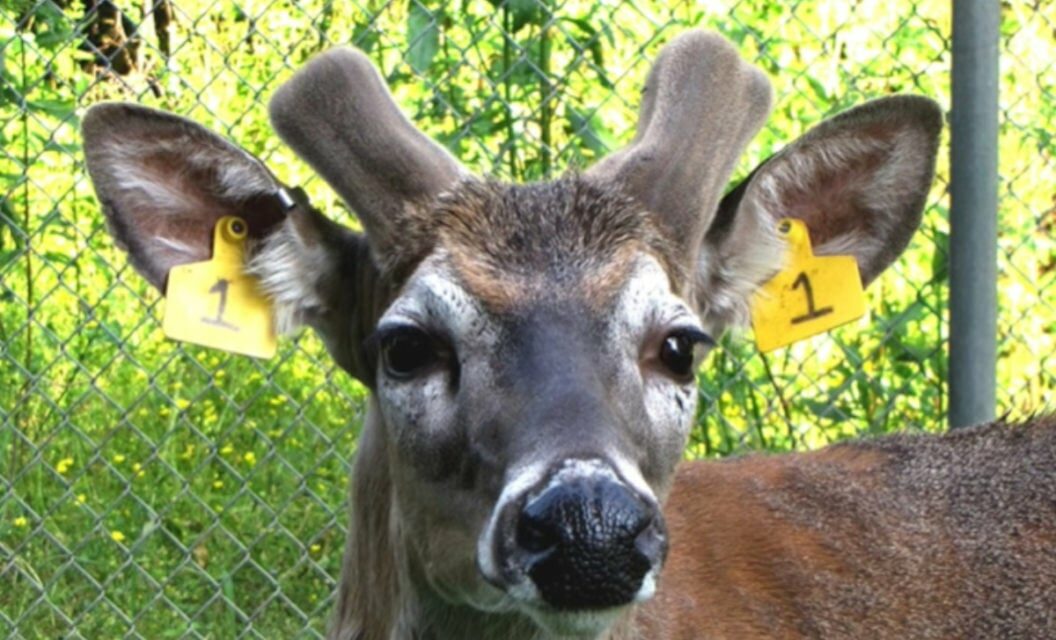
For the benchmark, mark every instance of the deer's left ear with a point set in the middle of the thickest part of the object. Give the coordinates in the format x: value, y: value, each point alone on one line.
x: 859, y: 181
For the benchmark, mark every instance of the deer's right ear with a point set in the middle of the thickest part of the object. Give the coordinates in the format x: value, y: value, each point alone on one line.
x: 163, y: 183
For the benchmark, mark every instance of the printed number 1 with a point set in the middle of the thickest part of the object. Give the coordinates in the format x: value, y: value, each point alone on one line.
x: 221, y: 288
x: 812, y: 311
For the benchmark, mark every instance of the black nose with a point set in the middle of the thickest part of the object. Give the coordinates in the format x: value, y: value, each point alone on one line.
x: 588, y: 543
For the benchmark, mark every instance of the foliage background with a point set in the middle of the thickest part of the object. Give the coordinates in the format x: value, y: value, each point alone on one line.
x: 155, y: 490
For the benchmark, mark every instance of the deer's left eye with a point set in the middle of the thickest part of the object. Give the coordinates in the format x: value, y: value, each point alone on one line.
x: 406, y: 352
x: 679, y: 350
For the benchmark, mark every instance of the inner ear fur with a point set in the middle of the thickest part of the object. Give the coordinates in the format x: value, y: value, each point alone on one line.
x: 859, y: 181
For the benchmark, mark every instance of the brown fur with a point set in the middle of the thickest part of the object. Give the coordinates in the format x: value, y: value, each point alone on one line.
x: 907, y: 536
x: 566, y: 237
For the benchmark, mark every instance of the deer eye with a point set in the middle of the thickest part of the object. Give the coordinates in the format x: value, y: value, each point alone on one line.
x: 679, y: 350
x: 406, y: 351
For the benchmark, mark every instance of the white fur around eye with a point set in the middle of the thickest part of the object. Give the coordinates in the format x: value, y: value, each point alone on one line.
x: 645, y: 306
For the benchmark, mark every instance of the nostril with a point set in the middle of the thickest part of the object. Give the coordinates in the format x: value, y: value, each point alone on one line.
x: 652, y: 540
x: 534, y: 533
x: 623, y: 511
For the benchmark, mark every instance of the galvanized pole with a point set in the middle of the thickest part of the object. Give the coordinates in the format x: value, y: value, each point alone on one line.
x: 973, y: 212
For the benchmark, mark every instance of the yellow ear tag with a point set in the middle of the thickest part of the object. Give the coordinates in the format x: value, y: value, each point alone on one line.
x: 215, y: 304
x: 811, y: 295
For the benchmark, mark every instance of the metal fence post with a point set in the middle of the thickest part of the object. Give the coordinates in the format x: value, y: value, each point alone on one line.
x: 973, y: 212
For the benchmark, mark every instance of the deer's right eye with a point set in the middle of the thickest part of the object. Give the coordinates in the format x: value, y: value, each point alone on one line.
x: 407, y: 352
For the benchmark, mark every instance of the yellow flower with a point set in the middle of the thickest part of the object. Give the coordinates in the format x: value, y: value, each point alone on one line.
x: 182, y: 403
x: 21, y: 522
x: 64, y: 465
x: 250, y: 458
x: 137, y: 467
x: 118, y: 459
x: 219, y: 375
x: 81, y: 498
x: 117, y: 536
x: 315, y: 548
x: 227, y: 450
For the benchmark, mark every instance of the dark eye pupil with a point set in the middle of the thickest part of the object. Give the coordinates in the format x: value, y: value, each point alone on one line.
x: 677, y: 354
x: 406, y: 353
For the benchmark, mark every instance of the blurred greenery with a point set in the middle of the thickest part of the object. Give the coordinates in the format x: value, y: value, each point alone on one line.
x: 156, y: 490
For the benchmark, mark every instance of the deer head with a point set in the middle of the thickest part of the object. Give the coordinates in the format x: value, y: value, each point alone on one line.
x: 531, y: 349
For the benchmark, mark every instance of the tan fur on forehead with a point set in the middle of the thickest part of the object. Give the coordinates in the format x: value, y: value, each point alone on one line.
x: 510, y: 243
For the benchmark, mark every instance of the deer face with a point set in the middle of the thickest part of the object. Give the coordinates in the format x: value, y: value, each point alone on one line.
x: 531, y: 349
x: 535, y: 378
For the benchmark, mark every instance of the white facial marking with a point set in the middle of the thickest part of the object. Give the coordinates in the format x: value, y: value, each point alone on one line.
x: 645, y: 305
x: 436, y: 297
x: 632, y: 475
x: 519, y: 480
x: 648, y: 588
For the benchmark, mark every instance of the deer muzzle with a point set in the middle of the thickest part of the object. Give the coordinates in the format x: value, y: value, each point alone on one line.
x: 583, y: 539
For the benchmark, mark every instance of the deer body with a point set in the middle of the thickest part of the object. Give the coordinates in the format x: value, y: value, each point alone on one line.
x: 946, y: 536
x: 531, y: 352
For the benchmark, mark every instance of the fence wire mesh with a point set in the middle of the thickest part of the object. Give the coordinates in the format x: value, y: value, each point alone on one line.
x: 150, y: 489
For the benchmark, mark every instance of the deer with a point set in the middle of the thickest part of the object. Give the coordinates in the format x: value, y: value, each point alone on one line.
x: 531, y: 353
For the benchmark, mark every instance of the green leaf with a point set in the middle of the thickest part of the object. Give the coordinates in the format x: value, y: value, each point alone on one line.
x: 525, y: 12
x: 57, y: 108
x: 819, y: 89
x: 423, y: 37
x: 940, y: 257
x: 522, y: 12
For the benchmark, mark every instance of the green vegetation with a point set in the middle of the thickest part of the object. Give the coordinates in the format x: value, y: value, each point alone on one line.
x: 154, y: 490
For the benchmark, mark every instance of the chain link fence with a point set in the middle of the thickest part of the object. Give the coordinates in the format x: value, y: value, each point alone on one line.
x: 153, y: 490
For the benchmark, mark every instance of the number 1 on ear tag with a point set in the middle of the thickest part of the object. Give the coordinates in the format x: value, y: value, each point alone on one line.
x: 215, y: 304
x: 811, y: 295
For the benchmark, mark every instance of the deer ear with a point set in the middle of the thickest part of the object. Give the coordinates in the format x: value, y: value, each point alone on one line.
x: 164, y: 181
x: 859, y: 181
